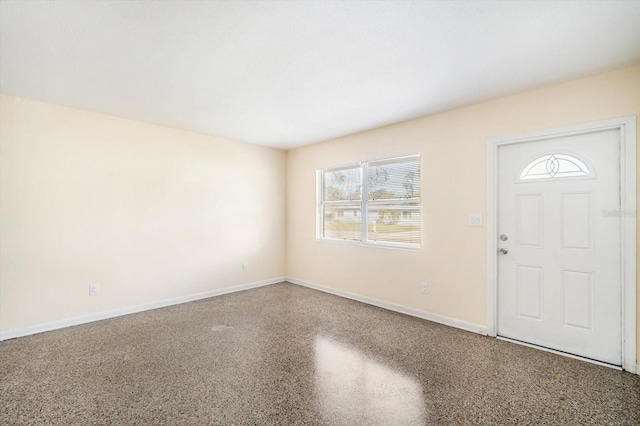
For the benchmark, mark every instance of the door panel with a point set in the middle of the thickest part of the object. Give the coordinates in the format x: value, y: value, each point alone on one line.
x: 530, y: 292
x: 577, y: 299
x: 559, y: 283
x: 577, y: 223
x: 529, y: 220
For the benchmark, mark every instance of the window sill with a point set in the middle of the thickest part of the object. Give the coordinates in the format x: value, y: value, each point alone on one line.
x: 368, y: 244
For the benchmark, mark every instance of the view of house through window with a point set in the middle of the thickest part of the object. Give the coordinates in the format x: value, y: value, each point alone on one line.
x: 389, y: 213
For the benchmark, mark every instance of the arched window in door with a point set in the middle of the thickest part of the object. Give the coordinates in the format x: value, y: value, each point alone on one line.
x: 552, y: 166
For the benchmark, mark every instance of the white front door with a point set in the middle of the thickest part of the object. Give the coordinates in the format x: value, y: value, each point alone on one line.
x: 558, y: 229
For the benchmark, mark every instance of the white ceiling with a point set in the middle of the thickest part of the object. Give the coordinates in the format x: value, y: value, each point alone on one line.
x: 285, y: 74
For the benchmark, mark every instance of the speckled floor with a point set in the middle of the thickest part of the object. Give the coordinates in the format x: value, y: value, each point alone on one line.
x: 288, y: 355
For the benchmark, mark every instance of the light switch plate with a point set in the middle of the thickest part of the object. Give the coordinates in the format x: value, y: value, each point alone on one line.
x: 475, y: 219
x: 94, y: 289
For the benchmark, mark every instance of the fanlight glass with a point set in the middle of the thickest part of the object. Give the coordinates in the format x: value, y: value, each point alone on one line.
x: 555, y: 166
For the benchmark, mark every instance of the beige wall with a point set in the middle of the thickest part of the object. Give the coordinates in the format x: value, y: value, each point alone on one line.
x: 453, y: 145
x: 154, y: 213
x: 151, y: 213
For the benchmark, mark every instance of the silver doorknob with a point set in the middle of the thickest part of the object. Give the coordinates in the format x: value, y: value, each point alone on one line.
x: 504, y: 251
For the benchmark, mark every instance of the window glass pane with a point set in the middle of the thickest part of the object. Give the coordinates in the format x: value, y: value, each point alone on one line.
x: 394, y: 223
x: 554, y: 166
x: 394, y: 179
x: 342, y: 222
x: 342, y: 184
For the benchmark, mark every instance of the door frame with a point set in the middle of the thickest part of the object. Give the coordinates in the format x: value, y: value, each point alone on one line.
x: 628, y: 209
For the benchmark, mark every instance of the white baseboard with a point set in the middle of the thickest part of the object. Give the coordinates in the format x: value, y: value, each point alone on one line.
x: 54, y: 325
x: 441, y: 319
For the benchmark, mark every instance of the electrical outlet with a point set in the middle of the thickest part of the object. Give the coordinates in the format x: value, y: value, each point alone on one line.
x: 245, y: 267
x: 94, y: 289
x: 424, y: 288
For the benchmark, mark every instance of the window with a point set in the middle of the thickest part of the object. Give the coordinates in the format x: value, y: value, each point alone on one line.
x: 554, y: 166
x: 389, y: 213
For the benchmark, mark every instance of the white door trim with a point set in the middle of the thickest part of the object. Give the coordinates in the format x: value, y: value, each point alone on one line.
x: 628, y: 209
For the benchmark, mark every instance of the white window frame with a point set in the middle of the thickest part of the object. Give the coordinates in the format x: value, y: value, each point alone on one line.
x: 364, y: 205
